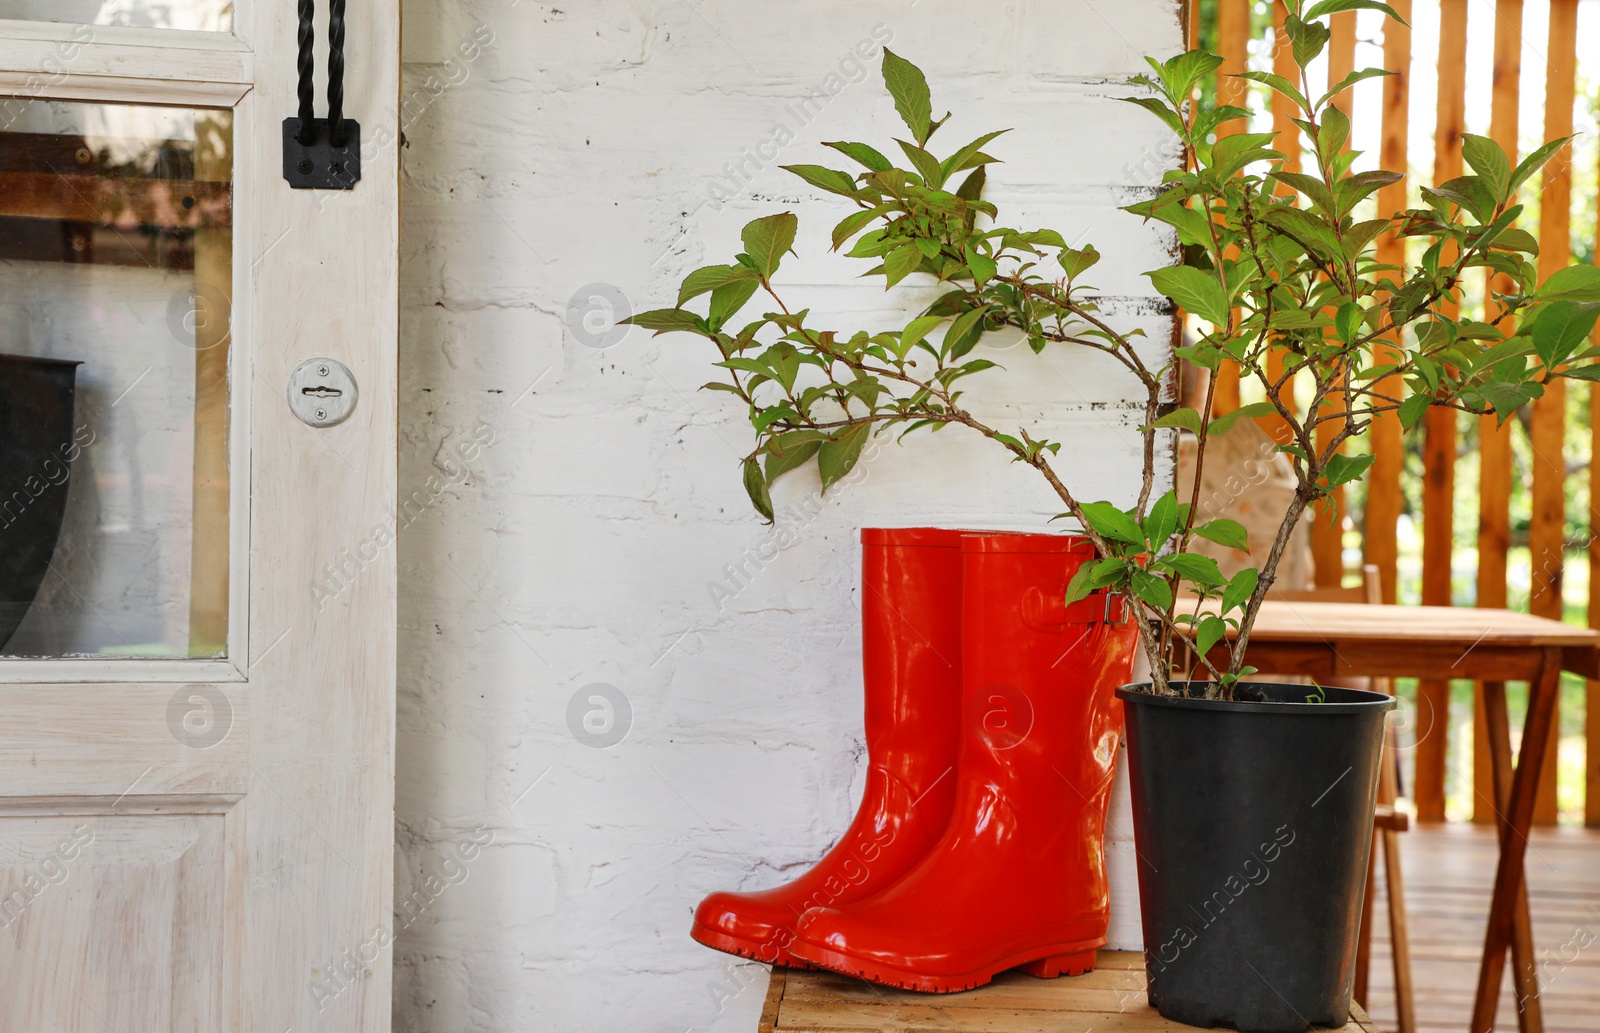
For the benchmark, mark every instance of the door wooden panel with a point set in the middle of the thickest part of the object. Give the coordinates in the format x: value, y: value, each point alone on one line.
x: 113, y: 920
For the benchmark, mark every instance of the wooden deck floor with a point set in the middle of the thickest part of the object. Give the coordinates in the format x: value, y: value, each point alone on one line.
x: 1107, y: 1000
x: 1449, y: 870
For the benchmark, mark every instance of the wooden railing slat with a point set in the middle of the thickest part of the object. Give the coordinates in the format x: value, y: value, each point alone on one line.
x: 1439, y: 446
x: 1591, y: 758
x: 1384, y: 497
x: 1494, y: 441
x: 1547, y: 430
x: 1233, y: 46
x: 1327, y: 524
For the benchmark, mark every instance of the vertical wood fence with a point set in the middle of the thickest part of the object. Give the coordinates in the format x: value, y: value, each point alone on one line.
x: 1229, y: 27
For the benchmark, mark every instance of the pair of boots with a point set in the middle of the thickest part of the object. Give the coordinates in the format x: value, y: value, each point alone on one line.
x: 992, y: 734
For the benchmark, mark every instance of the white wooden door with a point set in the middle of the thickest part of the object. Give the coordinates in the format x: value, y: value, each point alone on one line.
x: 197, y: 699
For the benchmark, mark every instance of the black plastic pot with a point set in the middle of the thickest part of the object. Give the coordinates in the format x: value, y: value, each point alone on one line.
x: 1253, y: 822
x: 36, y: 452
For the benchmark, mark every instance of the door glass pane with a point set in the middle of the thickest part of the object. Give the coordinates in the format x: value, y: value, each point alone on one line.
x: 210, y: 15
x: 115, y: 277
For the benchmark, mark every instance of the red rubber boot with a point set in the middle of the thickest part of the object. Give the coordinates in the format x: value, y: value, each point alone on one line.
x: 1018, y: 878
x: 911, y: 659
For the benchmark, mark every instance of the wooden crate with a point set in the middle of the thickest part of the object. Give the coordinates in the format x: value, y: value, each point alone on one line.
x: 1108, y: 1000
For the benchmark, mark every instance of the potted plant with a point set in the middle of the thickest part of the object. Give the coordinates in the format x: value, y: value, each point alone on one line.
x: 1249, y: 797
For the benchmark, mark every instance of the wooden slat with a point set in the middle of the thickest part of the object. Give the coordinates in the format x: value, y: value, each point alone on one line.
x: 1439, y: 447
x: 1494, y: 448
x: 1233, y: 40
x: 213, y: 292
x: 124, y: 203
x: 1448, y: 869
x: 1591, y: 756
x: 774, y: 1000
x: 1547, y: 432
x: 1384, y: 497
x: 1109, y: 1000
x: 1327, y: 525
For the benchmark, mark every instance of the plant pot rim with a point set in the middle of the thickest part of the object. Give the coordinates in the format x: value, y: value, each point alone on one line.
x: 1340, y: 700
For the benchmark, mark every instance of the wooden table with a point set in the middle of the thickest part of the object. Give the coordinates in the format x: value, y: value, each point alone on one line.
x: 1108, y: 1000
x: 1330, y: 640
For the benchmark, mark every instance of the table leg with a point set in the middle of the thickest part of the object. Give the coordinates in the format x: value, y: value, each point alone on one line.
x: 1369, y: 899
x: 1524, y: 967
x: 1515, y: 818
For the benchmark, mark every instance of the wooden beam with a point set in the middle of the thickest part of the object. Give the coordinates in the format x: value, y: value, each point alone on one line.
x: 1233, y: 46
x: 1547, y: 530
x: 1384, y: 497
x: 1327, y: 524
x: 212, y: 306
x: 1494, y: 448
x: 1439, y: 447
x: 1591, y: 720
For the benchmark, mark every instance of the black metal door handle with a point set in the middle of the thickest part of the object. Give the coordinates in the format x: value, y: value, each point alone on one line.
x: 321, y: 153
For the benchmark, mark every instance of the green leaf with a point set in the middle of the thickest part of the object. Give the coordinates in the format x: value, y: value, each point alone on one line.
x: 766, y: 240
x: 869, y: 157
x: 852, y: 224
x: 900, y: 263
x: 1193, y: 290
x: 1240, y: 588
x: 837, y: 456
x: 927, y: 165
x: 755, y: 485
x: 728, y: 299
x: 1347, y: 321
x: 1306, y: 38
x: 909, y: 88
x: 1179, y: 74
x: 1413, y: 408
x: 1350, y: 80
x: 1276, y: 83
x: 831, y: 180
x: 1224, y: 423
x: 1342, y: 469
x: 1151, y: 590
x: 667, y: 320
x: 790, y: 450
x: 916, y: 331
x: 1225, y: 532
x: 1202, y: 570
x: 1307, y: 230
x: 1488, y: 161
x: 1074, y: 261
x: 1536, y: 161
x: 964, y: 333
x: 1574, y: 283
x: 1209, y: 633
x: 1561, y: 329
x: 983, y: 267
x: 711, y: 277
x: 1514, y: 239
x: 1092, y: 575
x: 958, y: 161
x: 1161, y: 109
x: 1162, y: 520
x: 971, y: 188
x: 1182, y: 419
x: 1326, y: 7
x: 1110, y: 522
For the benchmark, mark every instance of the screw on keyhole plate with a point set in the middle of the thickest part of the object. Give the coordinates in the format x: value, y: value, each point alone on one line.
x: 304, y: 166
x: 322, y: 392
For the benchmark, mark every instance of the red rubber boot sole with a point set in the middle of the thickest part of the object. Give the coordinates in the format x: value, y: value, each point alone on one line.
x: 1066, y: 960
x: 765, y: 953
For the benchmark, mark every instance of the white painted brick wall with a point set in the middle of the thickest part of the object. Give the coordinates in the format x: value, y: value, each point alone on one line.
x: 580, y: 146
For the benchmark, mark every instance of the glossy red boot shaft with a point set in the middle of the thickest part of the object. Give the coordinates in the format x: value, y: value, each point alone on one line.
x: 911, y: 659
x: 1018, y: 877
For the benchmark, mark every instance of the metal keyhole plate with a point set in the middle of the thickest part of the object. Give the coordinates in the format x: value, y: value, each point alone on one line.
x: 322, y: 392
